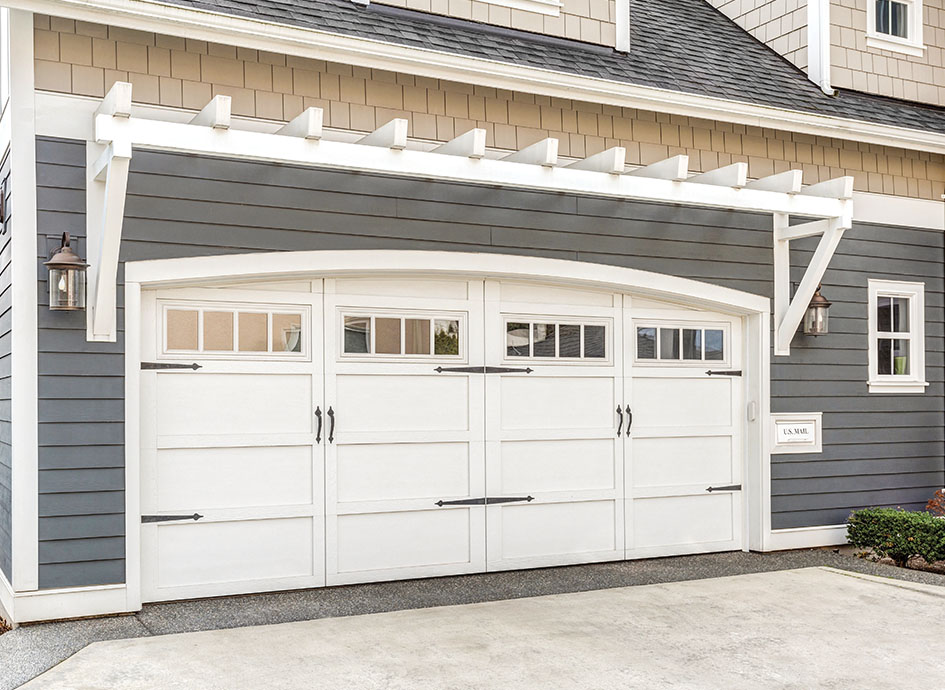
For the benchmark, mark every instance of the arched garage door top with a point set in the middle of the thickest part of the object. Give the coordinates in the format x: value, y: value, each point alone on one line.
x: 278, y: 265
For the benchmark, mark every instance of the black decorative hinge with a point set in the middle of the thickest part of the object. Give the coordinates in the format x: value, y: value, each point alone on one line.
x: 736, y: 372
x: 169, y: 365
x: 485, y: 501
x: 169, y: 518
x: 484, y: 370
x: 730, y: 487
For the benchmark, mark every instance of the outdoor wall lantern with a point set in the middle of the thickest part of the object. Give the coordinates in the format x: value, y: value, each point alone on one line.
x: 66, y: 279
x: 815, y: 318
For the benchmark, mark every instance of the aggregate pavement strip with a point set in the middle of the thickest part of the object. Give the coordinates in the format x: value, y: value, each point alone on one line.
x: 30, y: 650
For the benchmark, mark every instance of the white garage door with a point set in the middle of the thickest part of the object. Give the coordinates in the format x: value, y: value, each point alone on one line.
x: 353, y: 430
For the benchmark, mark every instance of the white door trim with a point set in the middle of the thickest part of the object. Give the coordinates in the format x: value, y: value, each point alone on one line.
x: 288, y: 265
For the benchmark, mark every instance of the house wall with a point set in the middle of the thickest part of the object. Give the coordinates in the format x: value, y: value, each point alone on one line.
x: 86, y: 59
x: 854, y: 65
x: 187, y: 206
x: 592, y: 21
x: 6, y: 372
x: 781, y: 24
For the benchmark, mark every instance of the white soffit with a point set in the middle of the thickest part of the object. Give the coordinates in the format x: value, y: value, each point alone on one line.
x: 320, y: 45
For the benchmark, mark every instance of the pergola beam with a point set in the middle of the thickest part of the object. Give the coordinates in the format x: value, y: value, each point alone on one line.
x: 734, y: 175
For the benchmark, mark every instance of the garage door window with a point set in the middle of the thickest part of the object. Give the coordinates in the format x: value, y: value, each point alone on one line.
x: 405, y: 336
x: 555, y: 340
x: 235, y: 331
x: 680, y: 343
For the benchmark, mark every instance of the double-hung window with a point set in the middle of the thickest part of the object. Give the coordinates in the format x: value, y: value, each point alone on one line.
x: 895, y: 25
x: 897, y: 337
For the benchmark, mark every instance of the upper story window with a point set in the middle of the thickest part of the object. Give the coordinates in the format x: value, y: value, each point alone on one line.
x: 897, y: 337
x: 895, y: 25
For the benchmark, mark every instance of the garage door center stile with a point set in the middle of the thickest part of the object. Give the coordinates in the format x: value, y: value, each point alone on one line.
x: 343, y: 430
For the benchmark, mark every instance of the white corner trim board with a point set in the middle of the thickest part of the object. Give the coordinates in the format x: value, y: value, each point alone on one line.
x: 7, y: 600
x: 24, y: 428
x: 219, y: 28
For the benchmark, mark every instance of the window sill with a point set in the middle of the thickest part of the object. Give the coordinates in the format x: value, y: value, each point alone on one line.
x: 898, y: 386
x: 896, y: 45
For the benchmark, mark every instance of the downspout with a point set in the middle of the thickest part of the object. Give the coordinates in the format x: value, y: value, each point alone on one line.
x: 818, y: 44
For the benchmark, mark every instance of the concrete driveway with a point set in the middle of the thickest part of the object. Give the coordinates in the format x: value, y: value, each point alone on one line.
x: 813, y: 627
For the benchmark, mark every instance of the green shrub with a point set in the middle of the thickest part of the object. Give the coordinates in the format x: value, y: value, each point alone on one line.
x: 898, y: 534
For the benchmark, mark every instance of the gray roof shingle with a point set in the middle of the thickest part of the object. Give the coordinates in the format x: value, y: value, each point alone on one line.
x: 681, y: 45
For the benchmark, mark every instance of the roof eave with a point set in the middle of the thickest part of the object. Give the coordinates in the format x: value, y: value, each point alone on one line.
x: 320, y: 45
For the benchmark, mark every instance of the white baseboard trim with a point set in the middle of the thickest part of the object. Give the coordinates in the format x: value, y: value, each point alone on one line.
x: 6, y: 601
x: 77, y: 602
x: 806, y: 537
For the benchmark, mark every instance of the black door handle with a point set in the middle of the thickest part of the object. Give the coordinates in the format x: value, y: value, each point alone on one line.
x: 620, y: 422
x: 629, y: 419
x: 331, y: 427
x: 318, y: 433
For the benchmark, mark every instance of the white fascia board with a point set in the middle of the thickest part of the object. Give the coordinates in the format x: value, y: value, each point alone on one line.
x: 245, y: 145
x: 210, y: 269
x: 320, y: 45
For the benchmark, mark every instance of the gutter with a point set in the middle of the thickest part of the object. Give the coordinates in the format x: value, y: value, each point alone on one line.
x: 321, y: 45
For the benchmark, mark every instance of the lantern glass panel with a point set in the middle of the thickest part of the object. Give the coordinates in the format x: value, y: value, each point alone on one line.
x: 66, y: 289
x: 815, y: 321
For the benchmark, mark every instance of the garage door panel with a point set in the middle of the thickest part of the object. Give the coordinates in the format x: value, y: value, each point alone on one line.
x: 374, y: 472
x: 681, y: 520
x: 402, y: 403
x: 225, y: 404
x: 213, y: 478
x: 682, y: 402
x: 548, y: 402
x: 551, y: 529
x: 231, y: 552
x: 375, y: 541
x: 678, y: 461
x: 549, y: 466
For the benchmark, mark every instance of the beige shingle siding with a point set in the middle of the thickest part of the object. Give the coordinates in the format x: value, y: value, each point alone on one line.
x: 854, y: 65
x: 178, y: 72
x: 592, y: 21
x: 781, y: 24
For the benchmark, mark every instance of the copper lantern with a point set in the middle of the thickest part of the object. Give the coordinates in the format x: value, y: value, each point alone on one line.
x: 66, y: 278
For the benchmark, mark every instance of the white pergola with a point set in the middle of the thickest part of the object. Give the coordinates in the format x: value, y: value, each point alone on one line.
x: 463, y: 159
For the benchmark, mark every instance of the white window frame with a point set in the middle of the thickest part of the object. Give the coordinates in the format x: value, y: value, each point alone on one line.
x: 558, y: 321
x: 914, y: 382
x: 911, y: 45
x: 680, y: 362
x: 383, y: 312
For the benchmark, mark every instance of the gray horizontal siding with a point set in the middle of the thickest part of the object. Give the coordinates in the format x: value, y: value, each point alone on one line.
x: 6, y: 373
x: 883, y: 450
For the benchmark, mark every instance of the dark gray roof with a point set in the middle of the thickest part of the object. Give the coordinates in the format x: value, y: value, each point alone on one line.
x: 682, y: 45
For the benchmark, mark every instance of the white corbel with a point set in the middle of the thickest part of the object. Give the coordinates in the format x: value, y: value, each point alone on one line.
x: 392, y: 135
x: 788, y: 311
x: 106, y: 186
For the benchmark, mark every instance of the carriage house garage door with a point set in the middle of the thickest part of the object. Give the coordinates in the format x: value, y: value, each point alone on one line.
x: 356, y: 429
